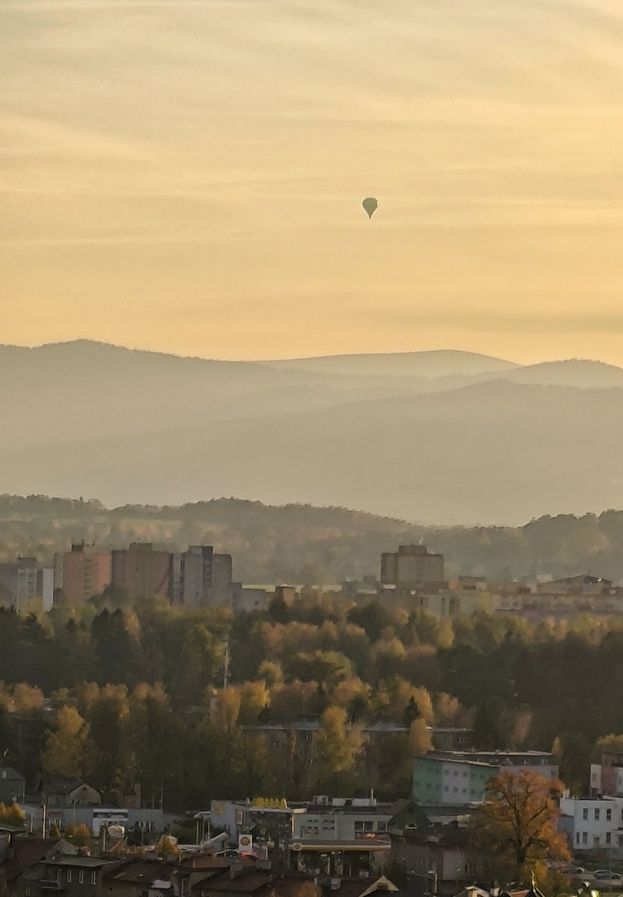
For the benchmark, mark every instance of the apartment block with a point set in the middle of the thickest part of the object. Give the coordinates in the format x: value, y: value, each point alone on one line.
x: 411, y: 567
x: 23, y: 580
x: 141, y: 571
x: 82, y: 572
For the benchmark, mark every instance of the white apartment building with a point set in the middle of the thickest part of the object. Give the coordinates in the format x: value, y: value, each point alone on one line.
x: 593, y: 823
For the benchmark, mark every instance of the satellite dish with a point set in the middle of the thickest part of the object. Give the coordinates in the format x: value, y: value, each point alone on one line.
x: 370, y: 205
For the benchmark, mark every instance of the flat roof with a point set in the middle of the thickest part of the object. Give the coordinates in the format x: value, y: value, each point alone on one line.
x: 462, y: 761
x: 362, y: 845
x: 87, y: 862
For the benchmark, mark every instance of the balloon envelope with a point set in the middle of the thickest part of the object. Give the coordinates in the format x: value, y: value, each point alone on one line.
x: 370, y: 205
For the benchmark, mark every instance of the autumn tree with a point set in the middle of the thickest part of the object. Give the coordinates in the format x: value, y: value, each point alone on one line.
x: 338, y: 744
x: 11, y: 814
x: 517, y: 826
x: 68, y: 747
x: 420, y: 738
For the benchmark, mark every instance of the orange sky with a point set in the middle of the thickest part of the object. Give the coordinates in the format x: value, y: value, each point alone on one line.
x: 187, y: 176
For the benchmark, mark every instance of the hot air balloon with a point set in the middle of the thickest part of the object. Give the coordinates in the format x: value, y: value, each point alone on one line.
x: 370, y: 205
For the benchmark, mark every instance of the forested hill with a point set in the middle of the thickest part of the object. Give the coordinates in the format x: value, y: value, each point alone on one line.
x: 305, y: 544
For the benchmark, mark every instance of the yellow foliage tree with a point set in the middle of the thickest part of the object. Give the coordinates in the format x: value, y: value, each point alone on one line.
x: 67, y: 748
x: 420, y: 738
x: 12, y: 814
x: 518, y: 825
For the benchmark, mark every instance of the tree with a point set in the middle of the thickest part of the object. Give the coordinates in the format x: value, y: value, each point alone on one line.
x: 68, y: 748
x: 517, y: 825
x: 337, y: 744
x: 79, y: 834
x: 11, y: 814
x: 420, y: 738
x: 412, y: 712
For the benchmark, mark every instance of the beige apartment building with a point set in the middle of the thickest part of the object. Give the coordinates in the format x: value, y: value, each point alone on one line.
x: 141, y: 571
x: 82, y: 572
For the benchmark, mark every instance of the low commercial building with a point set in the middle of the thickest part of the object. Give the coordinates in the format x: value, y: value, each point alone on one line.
x: 265, y: 820
x: 336, y: 860
x: 343, y: 819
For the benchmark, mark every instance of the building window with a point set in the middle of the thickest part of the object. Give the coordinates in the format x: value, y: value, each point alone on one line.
x: 81, y: 877
x: 608, y: 838
x: 584, y: 837
x: 577, y: 837
x: 68, y: 876
x: 608, y: 815
x: 93, y: 878
x: 585, y: 813
x: 597, y: 814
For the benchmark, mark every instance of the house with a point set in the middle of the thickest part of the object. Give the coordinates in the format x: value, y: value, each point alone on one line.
x: 139, y: 877
x: 248, y: 882
x: 74, y: 876
x: 18, y: 853
x: 265, y: 884
x: 201, y: 866
x: 434, y: 859
x: 12, y: 786
x: 69, y: 793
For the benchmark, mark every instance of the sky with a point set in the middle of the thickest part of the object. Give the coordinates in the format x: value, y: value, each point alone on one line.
x: 187, y: 175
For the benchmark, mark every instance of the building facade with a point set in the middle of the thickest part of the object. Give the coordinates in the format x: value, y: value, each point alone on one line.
x: 22, y: 580
x: 141, y: 571
x: 593, y: 823
x: 82, y: 572
x: 438, y: 781
x: 543, y: 763
x: 411, y: 567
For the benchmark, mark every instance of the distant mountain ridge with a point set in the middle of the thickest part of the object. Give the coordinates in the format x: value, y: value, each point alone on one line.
x: 431, y: 363
x: 463, y: 446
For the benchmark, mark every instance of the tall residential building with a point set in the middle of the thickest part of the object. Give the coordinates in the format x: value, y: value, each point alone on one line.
x: 196, y: 575
x: 201, y: 578
x: 18, y: 582
x: 221, y: 588
x: 411, y: 567
x: 82, y: 572
x: 141, y: 571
